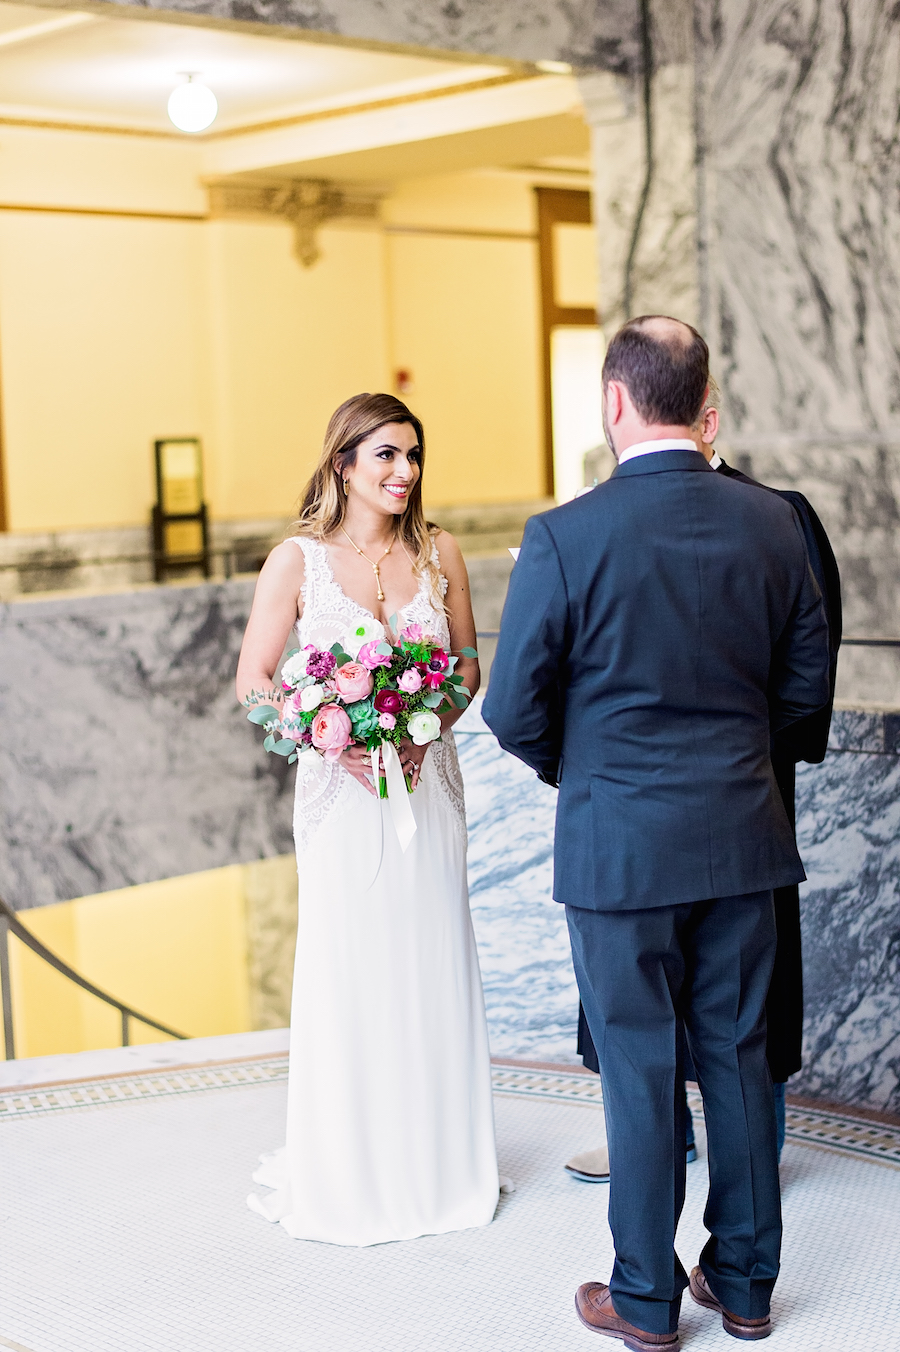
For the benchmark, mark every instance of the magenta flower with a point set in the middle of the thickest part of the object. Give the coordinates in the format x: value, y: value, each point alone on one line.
x: 388, y: 702
x: 370, y: 658
x: 320, y: 665
x: 438, y: 661
x: 434, y: 679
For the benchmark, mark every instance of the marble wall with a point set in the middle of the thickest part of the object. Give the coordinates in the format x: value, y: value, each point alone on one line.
x: 849, y: 832
x: 123, y: 755
x: 799, y: 255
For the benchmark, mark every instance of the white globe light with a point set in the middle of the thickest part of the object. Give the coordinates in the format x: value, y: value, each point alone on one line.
x: 192, y: 107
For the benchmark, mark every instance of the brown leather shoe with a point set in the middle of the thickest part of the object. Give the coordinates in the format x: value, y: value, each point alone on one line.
x: 595, y: 1309
x: 734, y: 1324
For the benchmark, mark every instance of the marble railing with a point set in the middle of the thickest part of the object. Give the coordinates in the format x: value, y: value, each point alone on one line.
x: 124, y: 759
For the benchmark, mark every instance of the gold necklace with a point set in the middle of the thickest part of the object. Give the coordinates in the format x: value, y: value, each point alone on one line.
x: 374, y: 566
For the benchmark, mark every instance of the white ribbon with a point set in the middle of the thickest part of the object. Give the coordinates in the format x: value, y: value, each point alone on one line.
x: 397, y: 792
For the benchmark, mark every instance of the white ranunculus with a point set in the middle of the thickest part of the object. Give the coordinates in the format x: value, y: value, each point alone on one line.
x: 294, y: 668
x: 367, y: 631
x: 311, y: 697
x: 424, y: 727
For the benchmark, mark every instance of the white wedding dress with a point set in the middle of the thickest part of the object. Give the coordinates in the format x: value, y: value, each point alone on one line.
x: 390, y: 1130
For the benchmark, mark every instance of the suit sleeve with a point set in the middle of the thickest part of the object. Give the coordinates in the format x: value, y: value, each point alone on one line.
x: 799, y: 682
x: 523, y: 706
x: 807, y: 738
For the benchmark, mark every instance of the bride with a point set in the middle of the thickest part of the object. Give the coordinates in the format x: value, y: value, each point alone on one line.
x: 390, y: 1130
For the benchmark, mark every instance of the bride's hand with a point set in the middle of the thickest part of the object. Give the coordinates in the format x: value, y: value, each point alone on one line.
x: 357, y: 761
x: 411, y: 758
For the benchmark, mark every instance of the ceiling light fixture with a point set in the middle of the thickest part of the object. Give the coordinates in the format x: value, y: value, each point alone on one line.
x: 192, y: 107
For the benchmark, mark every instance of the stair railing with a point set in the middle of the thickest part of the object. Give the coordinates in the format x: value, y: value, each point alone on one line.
x: 11, y: 924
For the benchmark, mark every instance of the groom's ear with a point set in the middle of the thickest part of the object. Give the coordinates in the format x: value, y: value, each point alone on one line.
x: 614, y: 397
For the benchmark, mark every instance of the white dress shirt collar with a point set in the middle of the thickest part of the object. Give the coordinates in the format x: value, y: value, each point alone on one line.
x: 716, y: 460
x: 649, y: 447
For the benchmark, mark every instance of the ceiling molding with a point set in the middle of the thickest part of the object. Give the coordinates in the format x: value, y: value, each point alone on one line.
x: 33, y: 32
x: 371, y: 106
x: 272, y: 124
x: 121, y: 212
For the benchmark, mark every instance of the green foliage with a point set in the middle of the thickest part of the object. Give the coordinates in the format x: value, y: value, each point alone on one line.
x: 263, y: 713
x: 467, y: 652
x: 286, y: 747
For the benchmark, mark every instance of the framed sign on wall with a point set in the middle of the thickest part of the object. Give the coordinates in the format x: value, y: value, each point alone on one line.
x: 179, y: 520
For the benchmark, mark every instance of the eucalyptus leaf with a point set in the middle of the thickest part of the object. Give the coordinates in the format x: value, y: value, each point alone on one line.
x: 433, y: 699
x: 454, y: 680
x: 393, y: 623
x: 337, y: 650
x: 459, y: 700
x: 384, y: 649
x: 467, y: 652
x: 292, y: 758
x: 269, y: 743
x: 464, y: 690
x: 343, y: 659
x: 263, y: 713
x: 285, y: 747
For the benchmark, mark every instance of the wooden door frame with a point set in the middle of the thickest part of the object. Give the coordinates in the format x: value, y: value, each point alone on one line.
x: 557, y: 206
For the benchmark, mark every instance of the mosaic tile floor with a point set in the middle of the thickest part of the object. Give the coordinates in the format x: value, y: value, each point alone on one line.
x: 123, y: 1227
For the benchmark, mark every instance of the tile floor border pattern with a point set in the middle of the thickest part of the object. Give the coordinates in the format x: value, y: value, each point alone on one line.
x: 805, y: 1126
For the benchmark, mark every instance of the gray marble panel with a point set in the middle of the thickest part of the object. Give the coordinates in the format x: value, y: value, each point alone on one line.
x: 848, y: 828
x: 849, y: 832
x: 584, y: 32
x: 800, y: 266
x: 797, y: 134
x: 123, y: 755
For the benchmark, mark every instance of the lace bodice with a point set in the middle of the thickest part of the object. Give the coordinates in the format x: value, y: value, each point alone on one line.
x: 329, y: 616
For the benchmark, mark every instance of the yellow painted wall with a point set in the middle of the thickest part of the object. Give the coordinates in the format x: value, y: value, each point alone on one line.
x: 176, y: 950
x: 103, y: 348
x: 115, y: 331
x: 289, y: 344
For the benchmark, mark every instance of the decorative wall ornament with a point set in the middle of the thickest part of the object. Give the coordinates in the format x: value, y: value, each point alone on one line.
x: 307, y: 203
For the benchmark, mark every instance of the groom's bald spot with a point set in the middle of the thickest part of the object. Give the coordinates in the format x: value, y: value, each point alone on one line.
x: 671, y: 333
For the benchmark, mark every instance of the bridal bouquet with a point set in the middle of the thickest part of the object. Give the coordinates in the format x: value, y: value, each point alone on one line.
x: 367, y: 690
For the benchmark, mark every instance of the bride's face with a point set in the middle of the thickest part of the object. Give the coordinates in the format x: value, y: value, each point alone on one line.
x: 388, y: 466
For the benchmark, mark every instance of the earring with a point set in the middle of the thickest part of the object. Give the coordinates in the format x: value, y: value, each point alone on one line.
x: 346, y: 489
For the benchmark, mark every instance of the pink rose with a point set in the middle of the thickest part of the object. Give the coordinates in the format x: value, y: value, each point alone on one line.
x: 410, y: 681
x: 331, y: 731
x: 353, y: 682
x: 387, y: 721
x: 370, y: 658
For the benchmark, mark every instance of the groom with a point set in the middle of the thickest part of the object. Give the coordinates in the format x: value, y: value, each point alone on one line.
x: 641, y: 667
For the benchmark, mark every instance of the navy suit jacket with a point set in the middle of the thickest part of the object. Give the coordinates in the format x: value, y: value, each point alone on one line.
x: 656, y: 632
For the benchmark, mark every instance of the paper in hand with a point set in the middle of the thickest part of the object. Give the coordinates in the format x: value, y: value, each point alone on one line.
x: 515, y: 552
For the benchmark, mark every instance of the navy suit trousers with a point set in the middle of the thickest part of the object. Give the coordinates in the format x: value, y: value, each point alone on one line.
x: 642, y: 975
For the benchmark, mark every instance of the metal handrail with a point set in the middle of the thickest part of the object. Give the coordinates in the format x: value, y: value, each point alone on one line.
x: 10, y: 923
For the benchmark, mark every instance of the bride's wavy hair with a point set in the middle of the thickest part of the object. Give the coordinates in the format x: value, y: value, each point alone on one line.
x: 323, y: 503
